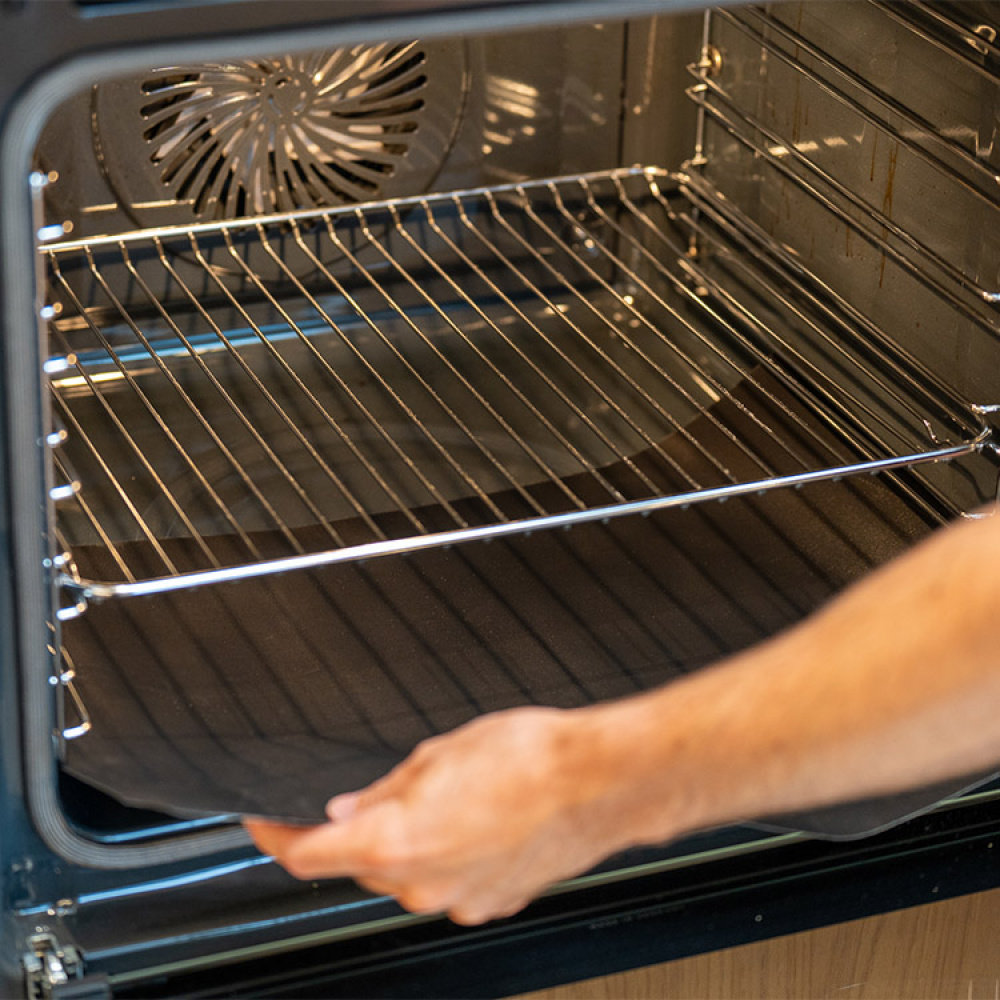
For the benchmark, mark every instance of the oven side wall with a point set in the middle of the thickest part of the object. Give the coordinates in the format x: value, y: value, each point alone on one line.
x: 865, y: 150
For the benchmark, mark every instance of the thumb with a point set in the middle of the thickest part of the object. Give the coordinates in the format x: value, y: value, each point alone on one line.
x: 342, y: 807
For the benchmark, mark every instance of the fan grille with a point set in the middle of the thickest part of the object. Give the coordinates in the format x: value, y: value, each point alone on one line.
x: 204, y: 142
x: 284, y: 133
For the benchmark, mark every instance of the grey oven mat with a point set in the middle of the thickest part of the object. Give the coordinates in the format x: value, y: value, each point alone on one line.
x: 268, y: 696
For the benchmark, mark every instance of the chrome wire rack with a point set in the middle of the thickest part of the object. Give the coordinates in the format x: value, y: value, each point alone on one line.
x: 265, y: 395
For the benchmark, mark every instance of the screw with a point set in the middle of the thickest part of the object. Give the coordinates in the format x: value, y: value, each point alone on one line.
x: 710, y: 62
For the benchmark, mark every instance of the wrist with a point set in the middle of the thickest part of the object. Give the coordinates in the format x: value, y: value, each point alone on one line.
x: 622, y: 773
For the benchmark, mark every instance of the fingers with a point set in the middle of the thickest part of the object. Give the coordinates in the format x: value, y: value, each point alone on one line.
x: 472, y: 914
x: 494, y: 898
x: 343, y: 807
x: 468, y: 908
x: 345, y: 850
x: 324, y: 851
x: 438, y: 832
x: 379, y: 887
x: 272, y: 838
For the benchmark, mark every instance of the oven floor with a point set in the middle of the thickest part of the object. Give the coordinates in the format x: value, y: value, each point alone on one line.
x: 270, y: 695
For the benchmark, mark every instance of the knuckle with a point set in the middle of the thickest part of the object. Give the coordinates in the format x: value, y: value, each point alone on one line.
x: 468, y: 916
x: 422, y: 900
x: 385, y: 855
x: 374, y: 886
x: 372, y: 858
x: 422, y: 755
x: 300, y: 868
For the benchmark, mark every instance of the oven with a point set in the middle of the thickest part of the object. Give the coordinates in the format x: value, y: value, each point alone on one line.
x: 368, y: 367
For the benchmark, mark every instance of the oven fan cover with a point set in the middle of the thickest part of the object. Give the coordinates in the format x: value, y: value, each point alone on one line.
x: 204, y: 142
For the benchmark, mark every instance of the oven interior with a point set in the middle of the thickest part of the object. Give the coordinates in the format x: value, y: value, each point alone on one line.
x: 396, y: 383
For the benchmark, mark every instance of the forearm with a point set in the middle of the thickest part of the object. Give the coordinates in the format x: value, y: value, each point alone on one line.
x: 897, y: 683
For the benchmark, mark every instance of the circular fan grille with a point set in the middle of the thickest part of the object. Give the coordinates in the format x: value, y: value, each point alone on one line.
x: 257, y: 136
x: 286, y: 133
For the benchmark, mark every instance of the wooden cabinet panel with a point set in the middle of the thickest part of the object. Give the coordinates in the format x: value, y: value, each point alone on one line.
x: 943, y: 951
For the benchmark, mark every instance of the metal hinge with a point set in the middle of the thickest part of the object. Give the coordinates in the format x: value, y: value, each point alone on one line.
x: 54, y: 971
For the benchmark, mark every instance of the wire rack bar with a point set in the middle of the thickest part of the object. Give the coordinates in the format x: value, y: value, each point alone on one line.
x: 318, y: 358
x: 375, y: 550
x: 580, y: 339
x: 277, y: 396
x: 870, y: 429
x: 710, y: 209
x: 702, y: 279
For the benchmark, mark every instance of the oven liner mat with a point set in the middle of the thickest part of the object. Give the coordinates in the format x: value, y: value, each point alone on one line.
x: 270, y: 695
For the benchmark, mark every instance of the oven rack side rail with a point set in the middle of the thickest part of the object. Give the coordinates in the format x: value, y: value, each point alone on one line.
x: 544, y: 340
x: 92, y: 590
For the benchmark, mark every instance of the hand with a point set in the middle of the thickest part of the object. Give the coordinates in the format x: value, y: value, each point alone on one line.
x: 475, y: 823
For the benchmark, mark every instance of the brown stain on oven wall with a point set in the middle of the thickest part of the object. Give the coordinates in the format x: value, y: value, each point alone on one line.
x: 887, y: 203
x: 797, y: 113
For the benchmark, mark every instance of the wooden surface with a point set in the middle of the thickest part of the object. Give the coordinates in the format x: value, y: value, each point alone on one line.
x: 944, y: 951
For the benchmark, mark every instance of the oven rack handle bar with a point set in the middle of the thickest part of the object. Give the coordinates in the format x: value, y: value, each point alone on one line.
x: 253, y: 222
x: 95, y: 591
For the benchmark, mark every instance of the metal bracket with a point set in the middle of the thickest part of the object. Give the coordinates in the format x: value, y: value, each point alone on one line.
x: 71, y: 585
x: 709, y: 61
x: 990, y: 445
x: 83, y: 724
x: 68, y: 577
x: 55, y: 971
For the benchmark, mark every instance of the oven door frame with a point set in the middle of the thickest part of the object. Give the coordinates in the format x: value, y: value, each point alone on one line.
x: 78, y: 42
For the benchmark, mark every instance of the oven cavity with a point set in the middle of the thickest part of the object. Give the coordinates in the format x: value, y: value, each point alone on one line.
x: 290, y: 412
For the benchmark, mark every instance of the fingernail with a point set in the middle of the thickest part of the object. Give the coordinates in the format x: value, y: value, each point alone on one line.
x: 342, y: 807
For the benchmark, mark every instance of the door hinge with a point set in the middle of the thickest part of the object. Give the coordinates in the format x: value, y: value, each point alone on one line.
x: 54, y: 971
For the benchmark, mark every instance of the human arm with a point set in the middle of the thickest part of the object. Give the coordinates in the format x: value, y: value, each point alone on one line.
x: 894, y: 684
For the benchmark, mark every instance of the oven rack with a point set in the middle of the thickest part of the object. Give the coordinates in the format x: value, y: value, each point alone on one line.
x: 269, y: 395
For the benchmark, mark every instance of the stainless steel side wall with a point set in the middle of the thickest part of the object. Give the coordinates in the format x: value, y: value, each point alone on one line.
x: 928, y: 169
